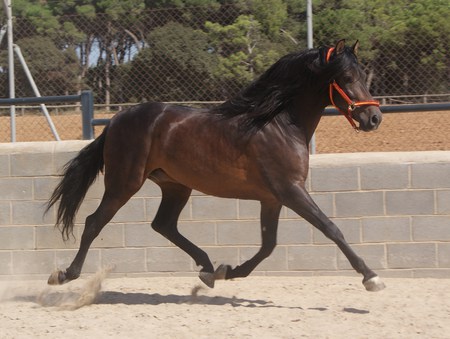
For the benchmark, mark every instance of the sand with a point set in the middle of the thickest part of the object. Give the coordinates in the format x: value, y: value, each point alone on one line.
x: 255, y: 307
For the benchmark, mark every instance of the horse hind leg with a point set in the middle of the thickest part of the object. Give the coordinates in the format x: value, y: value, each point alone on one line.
x: 174, y: 198
x: 111, y: 202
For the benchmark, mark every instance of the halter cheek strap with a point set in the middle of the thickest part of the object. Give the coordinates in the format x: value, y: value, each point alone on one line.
x: 352, y: 105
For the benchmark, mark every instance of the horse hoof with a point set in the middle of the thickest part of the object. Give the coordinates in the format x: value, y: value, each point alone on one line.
x: 374, y: 284
x: 221, y: 272
x: 57, y: 278
x: 207, y: 278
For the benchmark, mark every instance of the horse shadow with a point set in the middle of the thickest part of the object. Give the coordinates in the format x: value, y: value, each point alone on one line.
x: 133, y: 298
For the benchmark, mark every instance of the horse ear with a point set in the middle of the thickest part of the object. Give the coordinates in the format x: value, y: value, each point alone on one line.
x: 340, y: 47
x: 355, y: 47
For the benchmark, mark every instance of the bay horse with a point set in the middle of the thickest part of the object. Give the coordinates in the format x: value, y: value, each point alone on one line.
x: 253, y: 146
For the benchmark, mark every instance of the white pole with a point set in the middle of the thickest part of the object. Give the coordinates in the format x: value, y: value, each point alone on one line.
x: 36, y: 91
x: 12, y: 90
x: 309, y: 39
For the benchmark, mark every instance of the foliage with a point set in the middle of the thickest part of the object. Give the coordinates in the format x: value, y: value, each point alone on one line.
x: 184, y: 53
x: 48, y: 64
x: 134, y: 50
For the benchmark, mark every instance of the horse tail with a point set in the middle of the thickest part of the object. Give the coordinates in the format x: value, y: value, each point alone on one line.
x: 78, y: 175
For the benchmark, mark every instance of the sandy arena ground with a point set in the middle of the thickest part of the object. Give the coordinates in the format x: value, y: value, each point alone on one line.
x: 255, y: 307
x: 399, y: 132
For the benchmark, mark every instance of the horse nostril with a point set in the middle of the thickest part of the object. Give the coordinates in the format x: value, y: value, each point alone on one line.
x: 375, y: 120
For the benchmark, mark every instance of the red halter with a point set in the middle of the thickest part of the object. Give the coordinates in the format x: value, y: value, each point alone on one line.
x: 352, y: 105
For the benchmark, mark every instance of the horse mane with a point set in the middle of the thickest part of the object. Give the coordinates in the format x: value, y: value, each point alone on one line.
x: 273, y: 92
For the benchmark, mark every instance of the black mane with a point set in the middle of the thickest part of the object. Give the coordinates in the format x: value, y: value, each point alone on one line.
x: 273, y: 92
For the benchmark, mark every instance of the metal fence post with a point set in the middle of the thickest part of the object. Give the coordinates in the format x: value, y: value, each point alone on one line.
x: 87, y: 111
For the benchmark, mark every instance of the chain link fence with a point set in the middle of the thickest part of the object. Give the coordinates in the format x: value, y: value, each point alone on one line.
x: 199, y: 55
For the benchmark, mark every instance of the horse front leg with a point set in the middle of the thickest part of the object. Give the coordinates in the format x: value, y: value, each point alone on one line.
x: 174, y: 198
x: 270, y: 212
x: 301, y: 202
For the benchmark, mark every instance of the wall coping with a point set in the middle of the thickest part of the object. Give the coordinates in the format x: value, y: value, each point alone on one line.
x: 316, y: 160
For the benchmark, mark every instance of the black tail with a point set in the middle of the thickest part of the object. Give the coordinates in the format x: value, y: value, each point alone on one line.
x: 79, y: 174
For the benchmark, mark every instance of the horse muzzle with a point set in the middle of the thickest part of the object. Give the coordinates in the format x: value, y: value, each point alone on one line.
x: 370, y: 119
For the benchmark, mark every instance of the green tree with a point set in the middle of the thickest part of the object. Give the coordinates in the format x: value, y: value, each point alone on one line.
x: 404, y: 43
x: 53, y: 70
x: 243, y: 51
x: 176, y: 66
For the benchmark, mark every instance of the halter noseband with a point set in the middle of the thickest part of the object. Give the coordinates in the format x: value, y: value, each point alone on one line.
x: 352, y: 105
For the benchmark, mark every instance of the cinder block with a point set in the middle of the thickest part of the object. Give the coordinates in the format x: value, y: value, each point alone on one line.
x: 386, y: 229
x: 43, y: 187
x: 60, y: 159
x: 238, y: 233
x: 312, y: 257
x: 5, y: 263
x: 49, y: 237
x: 199, y: 232
x: 132, y: 211
x: 294, y: 232
x: 435, y: 175
x: 431, y: 228
x: 151, y: 208
x: 439, y: 273
x: 124, y: 260
x: 386, y: 176
x: 5, y: 213
x: 415, y: 255
x: 4, y: 165
x: 16, y: 189
x: 111, y: 236
x: 211, y: 208
x: 149, y: 190
x: 142, y: 235
x: 443, y: 202
x: 325, y: 201
x: 249, y: 209
x: 351, y: 228
x: 170, y: 259
x: 359, y: 204
x: 373, y: 255
x: 33, y: 262
x: 409, y: 202
x: 97, y: 189
x: 275, y: 262
x: 444, y: 255
x: 30, y: 213
x: 16, y: 237
x: 24, y: 164
x: 92, y: 264
x: 334, y: 179
x: 222, y: 255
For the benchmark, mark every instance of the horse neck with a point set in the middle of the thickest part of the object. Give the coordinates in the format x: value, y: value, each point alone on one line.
x: 307, y: 110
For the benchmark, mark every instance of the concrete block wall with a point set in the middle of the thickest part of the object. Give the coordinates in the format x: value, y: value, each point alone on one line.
x: 393, y: 208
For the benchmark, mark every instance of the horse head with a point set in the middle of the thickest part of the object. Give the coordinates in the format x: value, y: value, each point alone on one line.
x: 348, y: 91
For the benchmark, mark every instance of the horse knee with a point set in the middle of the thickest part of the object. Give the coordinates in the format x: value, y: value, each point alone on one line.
x: 267, y: 250
x: 158, y: 227
x: 164, y: 228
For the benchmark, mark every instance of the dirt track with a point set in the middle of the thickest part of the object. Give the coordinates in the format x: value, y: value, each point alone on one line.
x: 423, y: 131
x: 254, y: 307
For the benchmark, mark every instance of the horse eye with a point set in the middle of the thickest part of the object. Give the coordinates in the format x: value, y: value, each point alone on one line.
x: 348, y: 79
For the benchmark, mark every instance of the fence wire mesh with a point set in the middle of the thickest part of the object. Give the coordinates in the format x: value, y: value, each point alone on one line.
x: 206, y: 54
